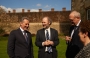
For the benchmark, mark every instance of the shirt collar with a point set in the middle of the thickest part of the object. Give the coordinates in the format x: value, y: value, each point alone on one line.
x: 48, y: 29
x: 21, y: 29
x: 78, y: 23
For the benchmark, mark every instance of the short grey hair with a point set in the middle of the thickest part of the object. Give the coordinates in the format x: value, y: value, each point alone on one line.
x: 76, y: 14
x: 49, y: 19
x: 24, y: 18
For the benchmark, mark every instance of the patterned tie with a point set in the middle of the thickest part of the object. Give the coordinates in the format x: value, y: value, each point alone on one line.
x: 25, y: 35
x: 49, y: 49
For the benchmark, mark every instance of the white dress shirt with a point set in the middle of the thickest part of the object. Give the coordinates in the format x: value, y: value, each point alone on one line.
x: 73, y: 29
x: 22, y: 31
x: 46, y: 37
x: 48, y: 33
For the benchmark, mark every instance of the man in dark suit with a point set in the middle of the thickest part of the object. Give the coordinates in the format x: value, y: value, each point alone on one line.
x: 74, y: 45
x: 20, y: 41
x: 47, y: 40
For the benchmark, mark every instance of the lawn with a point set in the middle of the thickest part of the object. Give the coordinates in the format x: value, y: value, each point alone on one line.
x: 3, y: 48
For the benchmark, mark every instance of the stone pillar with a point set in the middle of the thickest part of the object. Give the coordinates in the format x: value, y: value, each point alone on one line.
x: 28, y: 11
x: 22, y: 10
x: 64, y: 9
x: 9, y: 11
x: 52, y: 9
x: 14, y: 11
x: 40, y: 10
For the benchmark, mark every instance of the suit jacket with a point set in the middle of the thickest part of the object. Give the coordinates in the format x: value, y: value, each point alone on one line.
x: 17, y: 45
x: 75, y: 45
x: 40, y: 37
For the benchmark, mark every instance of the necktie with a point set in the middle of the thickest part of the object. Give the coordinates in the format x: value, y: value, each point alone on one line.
x: 75, y: 28
x: 25, y: 35
x: 49, y: 49
x: 47, y: 35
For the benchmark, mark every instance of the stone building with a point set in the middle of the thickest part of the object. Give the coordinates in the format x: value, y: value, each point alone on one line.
x: 60, y: 20
x: 83, y: 6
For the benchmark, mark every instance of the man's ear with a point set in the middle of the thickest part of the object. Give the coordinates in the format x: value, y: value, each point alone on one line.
x: 49, y: 23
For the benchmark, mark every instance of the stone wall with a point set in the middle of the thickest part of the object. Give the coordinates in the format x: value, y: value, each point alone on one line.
x: 56, y: 16
x: 10, y: 21
x: 62, y: 28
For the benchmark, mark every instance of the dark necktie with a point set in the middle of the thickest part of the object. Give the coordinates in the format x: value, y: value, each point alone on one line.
x: 75, y: 28
x: 49, y: 49
x: 73, y: 31
x: 26, y: 37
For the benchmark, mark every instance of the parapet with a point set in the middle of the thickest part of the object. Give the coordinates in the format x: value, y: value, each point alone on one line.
x: 40, y: 10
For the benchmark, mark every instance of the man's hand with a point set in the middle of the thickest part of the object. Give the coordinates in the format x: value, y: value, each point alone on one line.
x: 48, y: 42
x: 67, y: 38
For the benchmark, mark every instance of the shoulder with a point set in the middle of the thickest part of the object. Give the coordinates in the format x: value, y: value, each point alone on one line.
x: 40, y: 30
x: 28, y: 32
x: 86, y: 51
x: 52, y: 29
x: 14, y: 31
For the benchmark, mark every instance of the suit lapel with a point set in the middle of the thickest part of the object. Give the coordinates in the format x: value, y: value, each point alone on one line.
x: 75, y: 31
x: 28, y: 37
x: 51, y: 34
x: 43, y: 34
x: 21, y: 35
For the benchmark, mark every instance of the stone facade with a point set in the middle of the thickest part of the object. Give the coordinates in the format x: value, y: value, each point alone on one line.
x: 60, y: 20
x: 82, y: 6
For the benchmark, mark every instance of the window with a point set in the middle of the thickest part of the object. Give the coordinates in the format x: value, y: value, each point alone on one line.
x: 88, y: 14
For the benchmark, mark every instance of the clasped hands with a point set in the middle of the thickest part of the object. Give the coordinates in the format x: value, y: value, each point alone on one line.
x: 48, y: 42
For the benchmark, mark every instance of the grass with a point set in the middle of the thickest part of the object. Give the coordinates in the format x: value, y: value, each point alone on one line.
x: 3, y: 48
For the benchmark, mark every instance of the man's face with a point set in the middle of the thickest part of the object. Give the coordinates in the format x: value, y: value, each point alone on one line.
x: 73, y: 19
x: 45, y: 23
x: 24, y: 24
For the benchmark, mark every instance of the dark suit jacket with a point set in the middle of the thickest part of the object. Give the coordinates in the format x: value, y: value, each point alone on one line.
x: 40, y: 37
x: 75, y: 45
x: 17, y: 45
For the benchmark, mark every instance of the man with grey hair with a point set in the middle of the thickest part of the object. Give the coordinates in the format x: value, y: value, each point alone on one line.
x: 74, y: 45
x: 47, y: 40
x: 20, y: 41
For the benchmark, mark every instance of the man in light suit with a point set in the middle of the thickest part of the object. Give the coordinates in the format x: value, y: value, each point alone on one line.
x: 74, y: 45
x: 44, y: 43
x: 20, y: 41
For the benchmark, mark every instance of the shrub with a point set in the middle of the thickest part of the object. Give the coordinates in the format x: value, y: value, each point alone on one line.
x: 2, y: 32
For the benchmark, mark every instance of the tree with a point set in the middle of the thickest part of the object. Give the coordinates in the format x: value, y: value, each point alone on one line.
x: 3, y: 17
x: 2, y: 10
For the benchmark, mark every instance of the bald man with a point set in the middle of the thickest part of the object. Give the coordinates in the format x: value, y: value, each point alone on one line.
x: 74, y: 45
